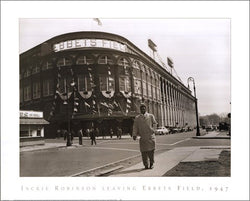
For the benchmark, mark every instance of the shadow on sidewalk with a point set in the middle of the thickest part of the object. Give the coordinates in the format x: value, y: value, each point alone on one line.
x: 128, y: 171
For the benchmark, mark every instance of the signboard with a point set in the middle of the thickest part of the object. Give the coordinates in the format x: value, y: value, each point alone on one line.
x: 152, y: 45
x: 82, y: 43
x: 30, y: 114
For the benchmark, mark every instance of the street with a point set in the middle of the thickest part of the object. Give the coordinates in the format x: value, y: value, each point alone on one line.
x: 68, y: 161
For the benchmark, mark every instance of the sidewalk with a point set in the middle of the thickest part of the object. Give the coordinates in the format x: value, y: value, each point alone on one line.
x: 169, y: 159
x: 59, y: 143
x: 214, y: 135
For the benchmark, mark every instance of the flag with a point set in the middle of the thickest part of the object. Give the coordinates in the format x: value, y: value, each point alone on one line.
x: 98, y: 21
x: 104, y: 104
x: 170, y: 62
x: 115, y: 103
x: 86, y: 104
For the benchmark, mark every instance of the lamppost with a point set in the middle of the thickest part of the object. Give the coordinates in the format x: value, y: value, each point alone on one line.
x: 66, y: 102
x: 196, y: 107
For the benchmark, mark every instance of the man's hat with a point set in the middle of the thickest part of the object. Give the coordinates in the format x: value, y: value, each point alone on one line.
x: 143, y: 105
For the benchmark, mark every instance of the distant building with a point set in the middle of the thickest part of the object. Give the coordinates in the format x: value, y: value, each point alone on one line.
x: 32, y: 128
x: 95, y: 78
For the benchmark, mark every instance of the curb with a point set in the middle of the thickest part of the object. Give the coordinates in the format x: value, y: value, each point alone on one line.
x: 215, y: 137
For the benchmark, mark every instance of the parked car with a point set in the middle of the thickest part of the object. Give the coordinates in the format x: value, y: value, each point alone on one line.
x: 174, y: 130
x: 162, y: 131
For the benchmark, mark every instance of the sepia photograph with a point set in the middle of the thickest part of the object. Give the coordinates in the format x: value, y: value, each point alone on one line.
x: 94, y: 103
x: 108, y: 105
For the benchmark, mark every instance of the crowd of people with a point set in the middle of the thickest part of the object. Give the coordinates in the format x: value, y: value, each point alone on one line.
x: 91, y: 133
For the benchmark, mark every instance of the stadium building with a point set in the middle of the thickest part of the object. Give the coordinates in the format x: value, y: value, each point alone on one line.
x: 95, y: 78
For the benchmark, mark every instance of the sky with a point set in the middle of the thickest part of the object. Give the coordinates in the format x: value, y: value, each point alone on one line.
x: 199, y: 48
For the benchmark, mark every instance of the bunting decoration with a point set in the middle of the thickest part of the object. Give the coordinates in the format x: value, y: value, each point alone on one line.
x: 109, y: 93
x: 92, y: 85
x: 128, y: 105
x: 53, y: 107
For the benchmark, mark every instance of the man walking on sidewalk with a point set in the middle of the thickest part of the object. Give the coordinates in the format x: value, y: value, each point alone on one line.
x: 145, y: 126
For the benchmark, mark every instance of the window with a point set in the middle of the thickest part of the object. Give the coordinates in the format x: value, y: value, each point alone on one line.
x: 153, y: 92
x: 21, y: 95
x: 107, y: 83
x: 137, y: 85
x: 124, y: 84
x: 84, y: 83
x: 36, y: 90
x: 24, y: 133
x: 64, y: 62
x: 27, y: 93
x: 105, y: 60
x: 35, y: 69
x: 47, y: 65
x: 158, y: 94
x: 136, y: 65
x: 64, y: 83
x: 38, y: 133
x: 123, y: 62
x: 144, y: 87
x: 84, y: 60
x: 47, y: 87
x: 149, y: 90
x: 27, y: 73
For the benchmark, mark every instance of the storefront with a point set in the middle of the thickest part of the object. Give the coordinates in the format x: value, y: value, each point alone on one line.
x: 31, y: 128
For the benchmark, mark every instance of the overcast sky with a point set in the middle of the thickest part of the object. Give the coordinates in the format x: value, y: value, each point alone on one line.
x: 199, y: 48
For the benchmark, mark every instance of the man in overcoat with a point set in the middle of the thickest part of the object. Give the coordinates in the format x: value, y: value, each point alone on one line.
x: 145, y: 126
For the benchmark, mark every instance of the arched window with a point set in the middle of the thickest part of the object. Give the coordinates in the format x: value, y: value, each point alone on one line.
x: 35, y: 69
x: 153, y: 85
x: 27, y: 93
x: 124, y: 84
x: 107, y: 83
x: 48, y: 87
x: 137, y: 77
x: 136, y: 65
x: 84, y: 60
x: 64, y: 62
x: 144, y: 81
x: 149, y: 82
x: 105, y: 60
x: 27, y: 73
x: 84, y: 83
x: 123, y: 62
x: 36, y: 90
x: 64, y: 83
x: 47, y: 65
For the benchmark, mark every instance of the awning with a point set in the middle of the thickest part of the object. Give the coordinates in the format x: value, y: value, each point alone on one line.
x: 34, y: 121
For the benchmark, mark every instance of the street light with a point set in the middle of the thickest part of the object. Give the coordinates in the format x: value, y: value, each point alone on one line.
x: 66, y: 102
x: 196, y: 107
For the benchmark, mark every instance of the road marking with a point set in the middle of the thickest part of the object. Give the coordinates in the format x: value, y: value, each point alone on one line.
x: 133, y: 150
x: 175, y: 142
x: 120, y: 143
x: 104, y: 142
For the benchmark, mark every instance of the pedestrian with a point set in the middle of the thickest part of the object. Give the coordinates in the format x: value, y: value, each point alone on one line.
x: 145, y: 126
x: 111, y: 133
x: 58, y: 133
x: 92, y: 136
x: 119, y: 133
x: 80, y: 135
x: 72, y: 135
